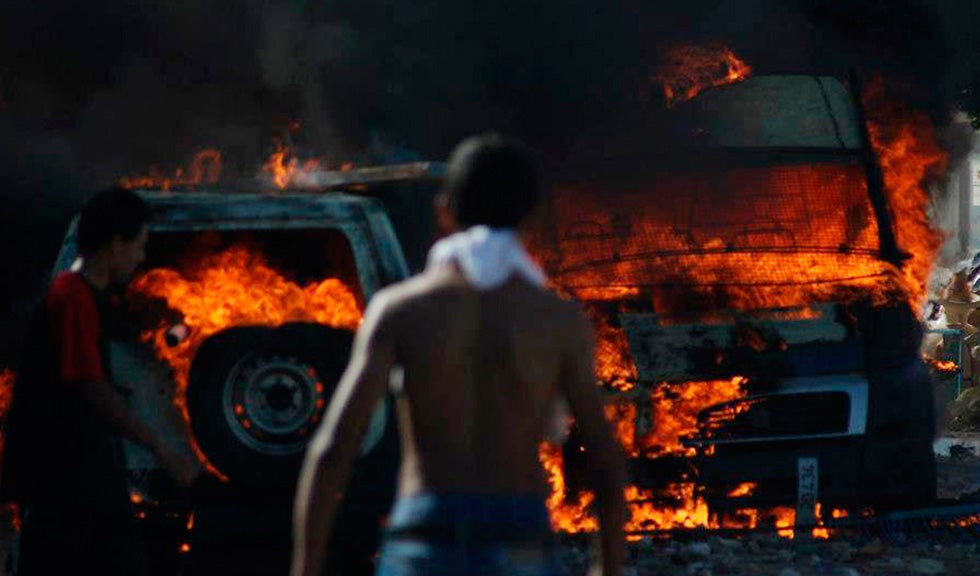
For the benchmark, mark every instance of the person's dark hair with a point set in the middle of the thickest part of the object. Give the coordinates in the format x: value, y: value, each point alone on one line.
x: 492, y: 181
x: 111, y: 213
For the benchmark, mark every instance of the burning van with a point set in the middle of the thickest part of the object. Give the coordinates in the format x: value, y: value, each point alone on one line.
x: 753, y: 261
x: 237, y: 330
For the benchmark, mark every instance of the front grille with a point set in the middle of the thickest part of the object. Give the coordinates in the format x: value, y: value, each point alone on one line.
x: 802, y: 414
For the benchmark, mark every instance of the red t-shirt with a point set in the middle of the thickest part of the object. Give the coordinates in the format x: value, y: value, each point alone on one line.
x: 75, y: 325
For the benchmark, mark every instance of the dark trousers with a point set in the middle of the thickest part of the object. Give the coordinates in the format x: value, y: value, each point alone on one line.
x: 79, y: 541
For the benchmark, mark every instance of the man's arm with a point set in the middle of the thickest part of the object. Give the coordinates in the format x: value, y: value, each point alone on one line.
x: 101, y: 396
x: 76, y: 324
x: 326, y: 467
x: 606, y: 466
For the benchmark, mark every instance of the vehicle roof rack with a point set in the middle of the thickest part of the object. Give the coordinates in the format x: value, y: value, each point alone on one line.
x: 375, y: 175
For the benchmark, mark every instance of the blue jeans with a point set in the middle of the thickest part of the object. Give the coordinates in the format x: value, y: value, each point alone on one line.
x: 459, y: 534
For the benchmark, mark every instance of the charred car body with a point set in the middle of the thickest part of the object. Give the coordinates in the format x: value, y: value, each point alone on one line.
x: 243, y: 382
x: 745, y: 239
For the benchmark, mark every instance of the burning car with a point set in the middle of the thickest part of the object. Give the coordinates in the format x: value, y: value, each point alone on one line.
x: 753, y: 260
x: 239, y: 327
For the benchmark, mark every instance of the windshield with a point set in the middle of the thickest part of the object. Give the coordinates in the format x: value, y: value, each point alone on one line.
x: 770, y: 111
x: 773, y: 196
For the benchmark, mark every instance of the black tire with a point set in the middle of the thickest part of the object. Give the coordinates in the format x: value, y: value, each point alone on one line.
x: 257, y: 394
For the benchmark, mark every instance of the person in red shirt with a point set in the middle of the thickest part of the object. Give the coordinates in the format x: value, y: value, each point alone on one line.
x: 64, y: 463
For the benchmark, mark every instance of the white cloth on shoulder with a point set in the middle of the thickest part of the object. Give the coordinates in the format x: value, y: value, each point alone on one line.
x: 487, y: 257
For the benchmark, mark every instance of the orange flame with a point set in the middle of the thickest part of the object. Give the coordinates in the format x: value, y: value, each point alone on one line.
x: 236, y: 287
x: 205, y: 168
x: 689, y: 70
x: 614, y: 363
x: 908, y: 150
x: 942, y: 366
x: 674, y: 413
x: 744, y: 489
x: 676, y: 506
x: 779, y: 246
x: 785, y: 519
x: 675, y: 410
x: 729, y: 272
x: 287, y: 170
x: 566, y: 517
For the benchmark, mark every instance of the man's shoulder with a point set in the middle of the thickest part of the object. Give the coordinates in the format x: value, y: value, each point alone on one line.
x: 67, y: 286
x: 408, y: 291
x: 423, y: 291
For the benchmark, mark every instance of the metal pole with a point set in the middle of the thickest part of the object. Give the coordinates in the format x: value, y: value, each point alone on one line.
x: 876, y: 184
x: 965, y: 207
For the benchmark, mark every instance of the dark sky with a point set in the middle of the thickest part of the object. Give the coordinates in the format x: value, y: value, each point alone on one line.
x: 94, y: 90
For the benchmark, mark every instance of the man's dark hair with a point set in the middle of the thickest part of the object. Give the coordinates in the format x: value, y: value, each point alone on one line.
x: 111, y: 213
x: 492, y: 181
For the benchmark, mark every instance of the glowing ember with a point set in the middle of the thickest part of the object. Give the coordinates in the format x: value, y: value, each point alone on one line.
x: 676, y: 506
x: 287, y: 170
x: 205, y: 168
x: 784, y: 518
x: 613, y: 362
x: 744, y: 489
x: 689, y: 70
x: 908, y: 150
x: 967, y: 522
x: 942, y: 366
x: 236, y: 288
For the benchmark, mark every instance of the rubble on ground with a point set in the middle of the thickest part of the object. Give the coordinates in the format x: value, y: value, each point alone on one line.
x: 771, y: 555
x: 918, y: 550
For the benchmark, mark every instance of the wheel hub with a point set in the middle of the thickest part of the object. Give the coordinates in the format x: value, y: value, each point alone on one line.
x: 273, y: 404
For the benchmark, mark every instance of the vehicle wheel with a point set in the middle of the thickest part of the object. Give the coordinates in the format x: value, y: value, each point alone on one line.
x: 257, y: 394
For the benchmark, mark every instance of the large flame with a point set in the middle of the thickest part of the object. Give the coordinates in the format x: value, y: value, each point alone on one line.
x: 613, y: 247
x: 205, y: 168
x: 688, y: 70
x: 674, y: 413
x: 236, y: 287
x: 908, y: 150
x: 752, y: 238
x: 675, y: 506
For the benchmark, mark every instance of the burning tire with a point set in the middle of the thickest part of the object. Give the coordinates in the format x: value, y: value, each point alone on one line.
x: 257, y: 394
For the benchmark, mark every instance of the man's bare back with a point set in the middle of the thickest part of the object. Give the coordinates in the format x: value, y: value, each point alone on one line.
x: 481, y: 377
x: 485, y: 353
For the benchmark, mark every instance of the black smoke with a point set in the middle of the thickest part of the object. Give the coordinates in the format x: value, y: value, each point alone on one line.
x: 95, y: 90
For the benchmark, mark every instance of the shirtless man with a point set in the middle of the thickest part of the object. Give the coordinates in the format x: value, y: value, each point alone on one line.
x: 484, y: 353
